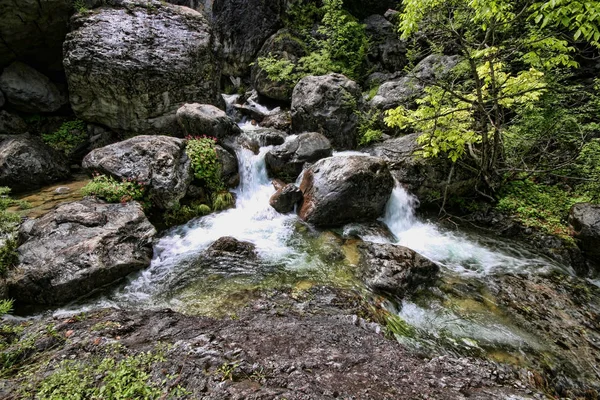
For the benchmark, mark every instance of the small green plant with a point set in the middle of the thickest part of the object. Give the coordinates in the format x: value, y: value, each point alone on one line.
x: 222, y: 201
x: 114, y: 191
x: 8, y: 255
x: 205, y: 163
x: 79, y: 6
x: 368, y: 130
x: 183, y: 214
x: 68, y: 137
x: 227, y: 371
x: 9, y: 223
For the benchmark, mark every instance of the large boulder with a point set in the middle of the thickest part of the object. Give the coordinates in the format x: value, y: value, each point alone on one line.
x: 206, y: 119
x: 282, y: 46
x: 30, y: 91
x: 395, y: 270
x: 27, y: 163
x: 286, y: 162
x: 427, y: 178
x: 242, y: 26
x: 11, y: 124
x: 78, y: 248
x: 33, y: 30
x: 229, y: 167
x: 327, y: 104
x: 387, y: 52
x: 285, y: 199
x: 131, y: 67
x: 405, y: 90
x: 584, y: 218
x: 158, y: 162
x: 339, y: 190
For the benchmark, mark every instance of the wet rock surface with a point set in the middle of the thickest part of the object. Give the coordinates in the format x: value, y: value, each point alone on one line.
x: 231, y: 245
x: 130, y: 67
x: 340, y: 190
x: 158, y: 162
x: 584, y: 218
x: 395, y: 270
x: 310, y: 346
x: 77, y: 248
x: 206, y: 120
x: 287, y: 161
x: 285, y: 198
x: 229, y: 167
x: 27, y: 163
x: 327, y: 104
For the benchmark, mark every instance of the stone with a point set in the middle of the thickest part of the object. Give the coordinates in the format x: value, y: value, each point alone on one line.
x: 340, y: 190
x: 386, y: 52
x: 242, y: 26
x: 158, y: 162
x: 285, y: 199
x: 34, y: 30
x: 282, y: 46
x: 11, y: 124
x: 27, y: 163
x: 287, y: 161
x: 131, y: 66
x: 29, y: 91
x: 206, y: 120
x: 2, y: 99
x: 584, y: 219
x: 395, y: 270
x: 405, y: 90
x: 327, y: 104
x: 260, y: 137
x: 280, y: 120
x: 78, y: 248
x: 424, y: 177
x: 229, y: 167
x: 228, y: 244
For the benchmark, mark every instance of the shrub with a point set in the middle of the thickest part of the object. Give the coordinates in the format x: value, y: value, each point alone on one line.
x: 222, y: 201
x: 205, y: 163
x: 183, y: 214
x: 368, y: 130
x: 68, y: 137
x: 113, y: 191
x: 9, y: 223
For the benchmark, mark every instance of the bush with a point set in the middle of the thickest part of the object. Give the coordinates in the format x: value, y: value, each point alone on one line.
x: 183, y: 214
x: 113, y: 191
x: 9, y: 223
x: 68, y: 137
x: 205, y: 163
x: 368, y: 130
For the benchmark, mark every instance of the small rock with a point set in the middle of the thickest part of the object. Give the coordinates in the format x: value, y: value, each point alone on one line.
x: 205, y: 119
x: 286, y: 198
x: 228, y: 244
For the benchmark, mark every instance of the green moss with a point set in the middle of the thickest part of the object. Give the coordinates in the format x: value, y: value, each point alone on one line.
x: 68, y: 137
x: 182, y: 214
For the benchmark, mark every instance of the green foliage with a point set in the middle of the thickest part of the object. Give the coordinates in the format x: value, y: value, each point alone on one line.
x: 113, y: 191
x: 8, y: 255
x: 5, y: 307
x: 9, y: 223
x: 183, y: 214
x: 580, y: 17
x: 205, y: 163
x: 368, y: 130
x: 106, y: 378
x: 227, y: 371
x: 540, y: 206
x: 587, y: 165
x: 68, y: 137
x: 341, y: 45
x: 222, y: 200
x: 80, y: 6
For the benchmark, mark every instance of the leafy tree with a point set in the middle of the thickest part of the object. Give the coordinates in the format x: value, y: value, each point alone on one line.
x: 510, y: 53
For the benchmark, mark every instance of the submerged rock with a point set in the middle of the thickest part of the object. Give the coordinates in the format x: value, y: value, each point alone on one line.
x: 206, y: 120
x: 158, y: 162
x: 395, y: 270
x: 327, y: 104
x: 230, y: 245
x: 30, y: 91
x: 285, y: 199
x: 339, y: 190
x: 286, y: 162
x: 78, y: 248
x: 131, y: 67
x: 584, y: 218
x: 27, y: 163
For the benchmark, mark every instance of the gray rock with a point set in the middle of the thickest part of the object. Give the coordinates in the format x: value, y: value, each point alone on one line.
x: 340, y: 190
x: 285, y: 199
x: 405, y: 90
x: 229, y: 167
x: 2, y: 99
x: 27, y: 163
x: 34, y: 30
x: 283, y: 46
x: 30, y: 91
x: 205, y: 119
x: 242, y: 26
x: 327, y: 104
x: 425, y: 177
x: 78, y: 248
x: 131, y: 67
x: 387, y: 52
x: 261, y: 137
x: 231, y: 245
x: 287, y: 161
x: 584, y: 218
x: 281, y: 120
x: 159, y: 162
x: 395, y: 270
x: 11, y: 124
